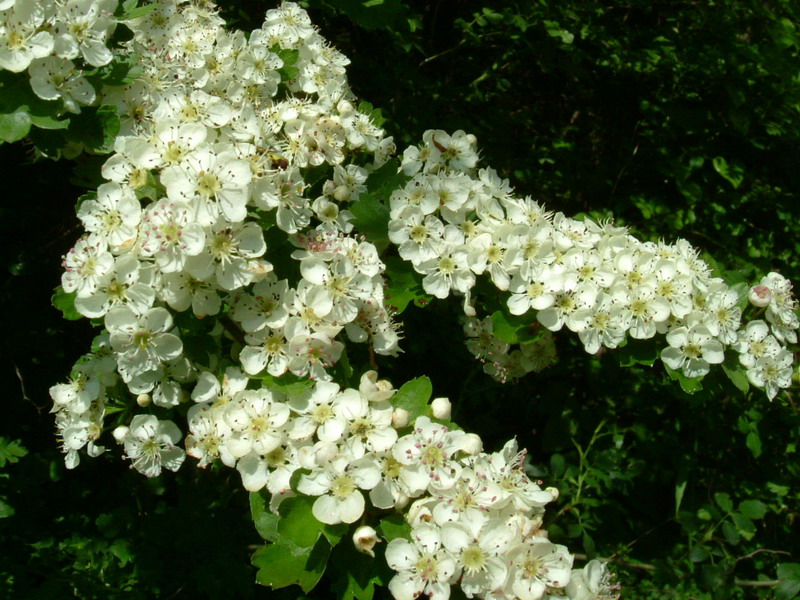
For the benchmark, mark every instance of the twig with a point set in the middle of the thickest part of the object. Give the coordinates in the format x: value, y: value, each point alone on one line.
x: 760, y: 550
x: 770, y: 583
x: 442, y: 53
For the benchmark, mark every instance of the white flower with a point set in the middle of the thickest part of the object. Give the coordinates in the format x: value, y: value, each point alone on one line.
x: 755, y: 342
x: 591, y: 583
x: 129, y: 283
x: 85, y: 265
x: 338, y: 483
x: 480, y: 547
x: 429, y: 452
x: 537, y: 565
x: 151, y: 445
x: 141, y: 343
x: 53, y: 78
x: 171, y: 235
x: 423, y: 565
x: 214, y: 184
x: 692, y: 349
x: 772, y: 372
x: 113, y: 216
x: 256, y: 419
x: 20, y: 38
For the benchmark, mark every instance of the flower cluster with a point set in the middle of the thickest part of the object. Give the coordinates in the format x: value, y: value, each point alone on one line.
x: 216, y: 137
x: 56, y: 42
x: 454, y: 222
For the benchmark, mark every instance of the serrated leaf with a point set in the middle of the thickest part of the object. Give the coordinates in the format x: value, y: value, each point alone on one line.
x: 279, y: 568
x: 14, y: 126
x: 754, y: 509
x: 413, y: 396
x: 11, y: 451
x: 65, y: 302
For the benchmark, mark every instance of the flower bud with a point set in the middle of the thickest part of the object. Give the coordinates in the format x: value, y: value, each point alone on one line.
x: 472, y: 444
x: 365, y: 539
x: 553, y: 491
x: 341, y: 193
x: 441, y: 408
x: 760, y: 295
x: 143, y: 400
x: 400, y: 418
x: 120, y: 433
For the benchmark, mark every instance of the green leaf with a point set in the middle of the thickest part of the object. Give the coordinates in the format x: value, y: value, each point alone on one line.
x: 11, y: 451
x: 335, y: 533
x: 680, y: 488
x: 355, y: 575
x: 375, y: 115
x: 49, y: 122
x: 733, y: 173
x: 279, y: 568
x: 266, y: 521
x: 753, y: 442
x: 637, y: 352
x: 723, y: 500
x: 288, y: 383
x: 14, y: 126
x: 511, y: 329
x: 744, y: 525
x: 65, y: 302
x: 289, y: 57
x: 754, y: 509
x: 95, y: 128
x: 298, y: 529
x: 413, y: 396
x: 131, y: 11
x: 6, y: 510
x: 789, y: 587
x: 394, y: 526
x: 371, y: 217
x: 738, y: 376
x: 403, y: 284
x: 690, y: 385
